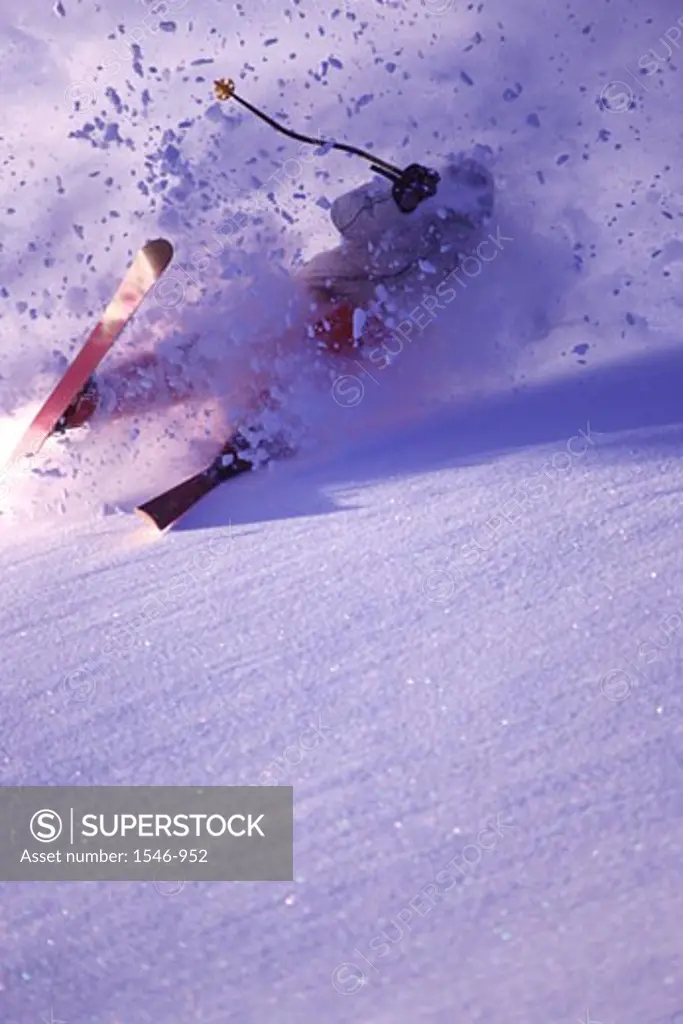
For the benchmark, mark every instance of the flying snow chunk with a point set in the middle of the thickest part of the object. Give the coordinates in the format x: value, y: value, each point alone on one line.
x: 115, y: 99
x: 112, y: 133
x: 359, y: 320
x: 59, y: 9
x: 364, y: 100
x: 510, y: 95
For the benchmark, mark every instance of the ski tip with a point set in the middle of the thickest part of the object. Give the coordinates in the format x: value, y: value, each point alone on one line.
x: 148, y: 518
x: 159, y: 252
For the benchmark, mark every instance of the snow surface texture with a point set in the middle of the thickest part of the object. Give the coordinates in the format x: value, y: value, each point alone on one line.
x: 472, y: 588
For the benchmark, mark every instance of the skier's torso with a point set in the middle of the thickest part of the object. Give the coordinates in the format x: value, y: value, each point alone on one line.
x: 379, y: 243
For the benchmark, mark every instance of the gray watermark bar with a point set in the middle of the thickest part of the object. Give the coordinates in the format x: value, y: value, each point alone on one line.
x: 146, y: 833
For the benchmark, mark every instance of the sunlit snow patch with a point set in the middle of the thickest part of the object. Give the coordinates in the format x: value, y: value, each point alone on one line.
x: 12, y: 429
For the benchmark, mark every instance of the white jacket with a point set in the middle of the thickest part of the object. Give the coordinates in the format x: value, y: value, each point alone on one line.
x: 380, y: 244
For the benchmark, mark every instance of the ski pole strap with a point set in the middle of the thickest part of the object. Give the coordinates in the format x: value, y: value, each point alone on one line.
x: 410, y: 186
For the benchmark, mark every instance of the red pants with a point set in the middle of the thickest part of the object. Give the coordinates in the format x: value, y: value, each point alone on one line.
x: 133, y: 381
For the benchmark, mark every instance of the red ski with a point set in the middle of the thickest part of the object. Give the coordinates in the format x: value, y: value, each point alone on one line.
x: 335, y: 332
x: 146, y: 269
x: 167, y: 508
x: 240, y: 454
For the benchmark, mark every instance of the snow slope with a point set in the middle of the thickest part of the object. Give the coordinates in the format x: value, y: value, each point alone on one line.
x: 470, y: 587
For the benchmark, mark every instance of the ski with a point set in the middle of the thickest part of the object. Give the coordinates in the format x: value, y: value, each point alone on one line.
x: 146, y: 269
x: 242, y: 453
x: 167, y: 508
x: 343, y: 329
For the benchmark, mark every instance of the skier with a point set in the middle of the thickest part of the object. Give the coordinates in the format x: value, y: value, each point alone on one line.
x: 393, y: 237
x: 383, y: 252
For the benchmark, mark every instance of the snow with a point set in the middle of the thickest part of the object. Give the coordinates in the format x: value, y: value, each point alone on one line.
x: 468, y: 584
